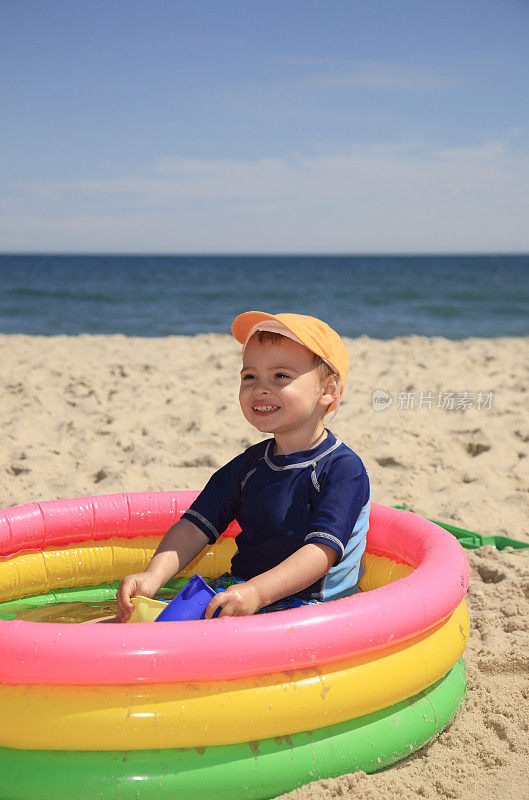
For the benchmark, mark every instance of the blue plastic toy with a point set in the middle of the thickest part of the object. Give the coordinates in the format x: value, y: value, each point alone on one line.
x: 190, y: 603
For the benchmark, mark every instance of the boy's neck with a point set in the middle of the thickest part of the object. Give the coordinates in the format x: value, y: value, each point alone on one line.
x: 285, y: 445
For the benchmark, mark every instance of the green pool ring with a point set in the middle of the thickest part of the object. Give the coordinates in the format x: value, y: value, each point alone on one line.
x: 255, y: 770
x: 80, y: 594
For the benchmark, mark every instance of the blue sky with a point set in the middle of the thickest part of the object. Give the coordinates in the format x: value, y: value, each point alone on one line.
x: 264, y: 126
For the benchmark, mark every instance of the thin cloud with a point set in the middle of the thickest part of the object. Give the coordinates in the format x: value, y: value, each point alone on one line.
x: 370, y: 199
x: 340, y: 74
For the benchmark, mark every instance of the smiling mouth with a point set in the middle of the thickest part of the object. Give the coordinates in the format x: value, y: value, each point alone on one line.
x: 265, y: 409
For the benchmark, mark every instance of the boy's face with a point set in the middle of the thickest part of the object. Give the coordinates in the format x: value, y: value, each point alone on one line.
x: 282, y: 391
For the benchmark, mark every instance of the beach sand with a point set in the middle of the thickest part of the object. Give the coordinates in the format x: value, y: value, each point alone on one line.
x: 102, y: 414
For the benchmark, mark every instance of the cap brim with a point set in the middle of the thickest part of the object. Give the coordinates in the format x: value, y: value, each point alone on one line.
x: 244, y: 323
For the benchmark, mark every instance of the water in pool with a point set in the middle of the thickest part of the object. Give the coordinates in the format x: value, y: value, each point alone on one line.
x: 69, y: 612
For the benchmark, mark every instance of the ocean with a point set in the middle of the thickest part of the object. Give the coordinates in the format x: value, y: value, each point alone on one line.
x: 379, y: 296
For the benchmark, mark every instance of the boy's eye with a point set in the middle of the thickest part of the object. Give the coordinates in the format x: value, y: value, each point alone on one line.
x: 282, y: 375
x: 247, y: 377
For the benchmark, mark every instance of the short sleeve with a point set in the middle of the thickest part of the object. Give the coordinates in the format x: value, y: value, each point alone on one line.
x: 218, y: 503
x: 343, y: 495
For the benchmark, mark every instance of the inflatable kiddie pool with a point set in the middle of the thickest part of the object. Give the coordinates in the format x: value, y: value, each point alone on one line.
x: 245, y: 707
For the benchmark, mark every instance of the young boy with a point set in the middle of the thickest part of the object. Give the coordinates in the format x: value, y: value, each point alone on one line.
x: 301, y: 497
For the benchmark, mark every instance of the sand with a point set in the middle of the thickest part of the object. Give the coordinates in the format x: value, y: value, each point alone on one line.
x: 102, y: 414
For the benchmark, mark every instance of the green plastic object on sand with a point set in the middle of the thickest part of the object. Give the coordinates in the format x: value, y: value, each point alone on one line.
x: 472, y: 540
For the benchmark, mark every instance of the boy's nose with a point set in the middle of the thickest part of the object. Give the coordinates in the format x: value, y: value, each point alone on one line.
x: 261, y: 388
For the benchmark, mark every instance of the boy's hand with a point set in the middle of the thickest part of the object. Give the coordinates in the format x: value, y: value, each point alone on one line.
x: 236, y: 601
x: 141, y: 583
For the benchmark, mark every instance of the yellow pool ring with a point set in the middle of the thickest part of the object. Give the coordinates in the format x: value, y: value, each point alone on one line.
x: 209, y: 713
x: 90, y: 563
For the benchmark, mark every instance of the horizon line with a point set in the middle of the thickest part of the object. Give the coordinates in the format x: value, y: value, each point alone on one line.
x: 266, y: 254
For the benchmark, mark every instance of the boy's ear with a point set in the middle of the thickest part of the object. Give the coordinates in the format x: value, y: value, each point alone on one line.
x: 330, y: 391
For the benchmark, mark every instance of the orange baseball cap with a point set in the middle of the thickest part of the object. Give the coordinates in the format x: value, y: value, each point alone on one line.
x: 311, y: 332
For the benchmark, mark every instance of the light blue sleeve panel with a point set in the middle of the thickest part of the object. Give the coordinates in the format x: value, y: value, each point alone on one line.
x: 341, y: 521
x: 342, y: 579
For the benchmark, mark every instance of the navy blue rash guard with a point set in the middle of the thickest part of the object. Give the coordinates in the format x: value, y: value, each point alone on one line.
x: 283, y: 502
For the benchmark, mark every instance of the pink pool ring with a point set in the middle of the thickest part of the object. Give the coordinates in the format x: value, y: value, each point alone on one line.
x: 150, y: 653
